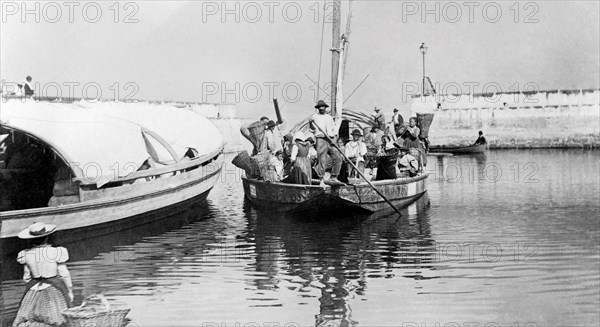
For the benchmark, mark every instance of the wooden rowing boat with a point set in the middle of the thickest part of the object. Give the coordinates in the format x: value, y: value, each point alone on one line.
x: 284, y: 197
x: 117, y: 141
x: 365, y: 196
x: 480, y: 148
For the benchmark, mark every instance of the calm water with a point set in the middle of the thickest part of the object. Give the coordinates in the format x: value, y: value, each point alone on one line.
x: 510, y: 238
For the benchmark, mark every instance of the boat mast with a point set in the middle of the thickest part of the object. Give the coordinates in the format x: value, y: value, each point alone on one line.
x: 335, y: 53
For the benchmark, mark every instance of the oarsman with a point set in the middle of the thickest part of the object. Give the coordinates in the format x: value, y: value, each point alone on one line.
x: 328, y: 156
x: 255, y: 133
x: 481, y: 139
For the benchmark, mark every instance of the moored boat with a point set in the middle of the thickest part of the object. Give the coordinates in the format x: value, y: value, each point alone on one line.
x: 99, y: 167
x: 468, y: 149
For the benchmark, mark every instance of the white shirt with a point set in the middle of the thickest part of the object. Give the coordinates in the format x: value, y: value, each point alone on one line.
x: 409, y: 161
x: 326, y: 123
x: 273, y: 142
x: 356, y: 149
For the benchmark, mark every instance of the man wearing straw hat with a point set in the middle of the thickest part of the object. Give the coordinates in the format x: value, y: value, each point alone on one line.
x: 49, y: 289
x: 328, y: 156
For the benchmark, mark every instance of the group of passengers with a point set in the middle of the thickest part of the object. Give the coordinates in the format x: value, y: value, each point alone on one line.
x: 302, y: 157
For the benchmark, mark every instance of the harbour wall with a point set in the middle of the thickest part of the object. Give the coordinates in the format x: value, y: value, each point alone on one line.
x: 544, y: 119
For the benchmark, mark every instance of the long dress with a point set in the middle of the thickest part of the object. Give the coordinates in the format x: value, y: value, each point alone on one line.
x: 302, y: 171
x: 48, y: 283
x: 413, y: 142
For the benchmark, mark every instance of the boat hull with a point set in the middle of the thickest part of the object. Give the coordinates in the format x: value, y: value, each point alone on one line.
x: 114, y: 207
x: 460, y: 149
x: 282, y: 197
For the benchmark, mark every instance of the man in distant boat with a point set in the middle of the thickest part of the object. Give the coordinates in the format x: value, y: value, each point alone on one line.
x: 255, y: 133
x: 328, y: 155
x: 481, y: 139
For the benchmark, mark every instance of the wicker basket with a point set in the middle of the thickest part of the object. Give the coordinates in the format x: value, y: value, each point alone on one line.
x: 424, y: 122
x: 87, y: 315
x: 245, y: 162
x: 262, y: 159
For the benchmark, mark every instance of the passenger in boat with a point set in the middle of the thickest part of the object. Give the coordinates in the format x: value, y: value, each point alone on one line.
x: 273, y: 139
x: 373, y: 143
x: 398, y: 122
x: 301, y: 170
x: 412, y: 141
x: 328, y: 156
x: 406, y: 162
x: 343, y: 176
x: 480, y: 139
x: 48, y: 288
x: 356, y: 150
x: 386, y: 160
x: 276, y: 168
x: 255, y: 133
x: 379, y: 119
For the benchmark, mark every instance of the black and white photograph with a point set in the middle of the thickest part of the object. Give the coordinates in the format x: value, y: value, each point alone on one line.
x: 292, y: 163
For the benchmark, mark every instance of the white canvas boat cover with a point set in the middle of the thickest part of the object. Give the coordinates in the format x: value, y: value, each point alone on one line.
x: 102, y: 141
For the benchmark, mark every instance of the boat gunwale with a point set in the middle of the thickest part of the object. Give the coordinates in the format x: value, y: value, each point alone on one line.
x: 397, y: 181
x: 92, y: 204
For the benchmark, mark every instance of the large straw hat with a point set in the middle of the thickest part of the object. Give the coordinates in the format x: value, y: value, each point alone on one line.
x: 37, y: 230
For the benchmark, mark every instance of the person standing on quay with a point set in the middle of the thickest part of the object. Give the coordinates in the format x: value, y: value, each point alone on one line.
x: 321, y: 123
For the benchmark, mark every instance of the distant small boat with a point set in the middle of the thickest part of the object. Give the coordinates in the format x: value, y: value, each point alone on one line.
x: 480, y: 148
x: 284, y: 197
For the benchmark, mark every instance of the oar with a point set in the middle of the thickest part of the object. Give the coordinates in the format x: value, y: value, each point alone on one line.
x: 358, y: 171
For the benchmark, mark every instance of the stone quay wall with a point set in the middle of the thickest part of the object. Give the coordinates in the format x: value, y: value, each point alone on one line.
x: 544, y: 119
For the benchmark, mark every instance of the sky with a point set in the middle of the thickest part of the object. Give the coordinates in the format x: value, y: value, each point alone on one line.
x: 248, y: 52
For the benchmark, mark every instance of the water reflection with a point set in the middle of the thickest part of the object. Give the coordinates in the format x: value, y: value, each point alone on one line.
x: 337, y: 255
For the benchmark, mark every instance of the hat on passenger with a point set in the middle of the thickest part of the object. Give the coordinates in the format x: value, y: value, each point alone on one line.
x: 356, y: 132
x: 299, y: 136
x: 270, y: 124
x: 288, y: 137
x: 37, y: 230
x: 377, y: 109
x: 395, y: 109
x: 320, y: 104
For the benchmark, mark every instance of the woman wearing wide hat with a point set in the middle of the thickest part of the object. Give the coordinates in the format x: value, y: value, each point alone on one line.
x: 48, y: 289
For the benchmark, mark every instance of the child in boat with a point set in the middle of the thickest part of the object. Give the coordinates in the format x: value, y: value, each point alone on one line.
x: 48, y: 289
x: 407, y: 163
